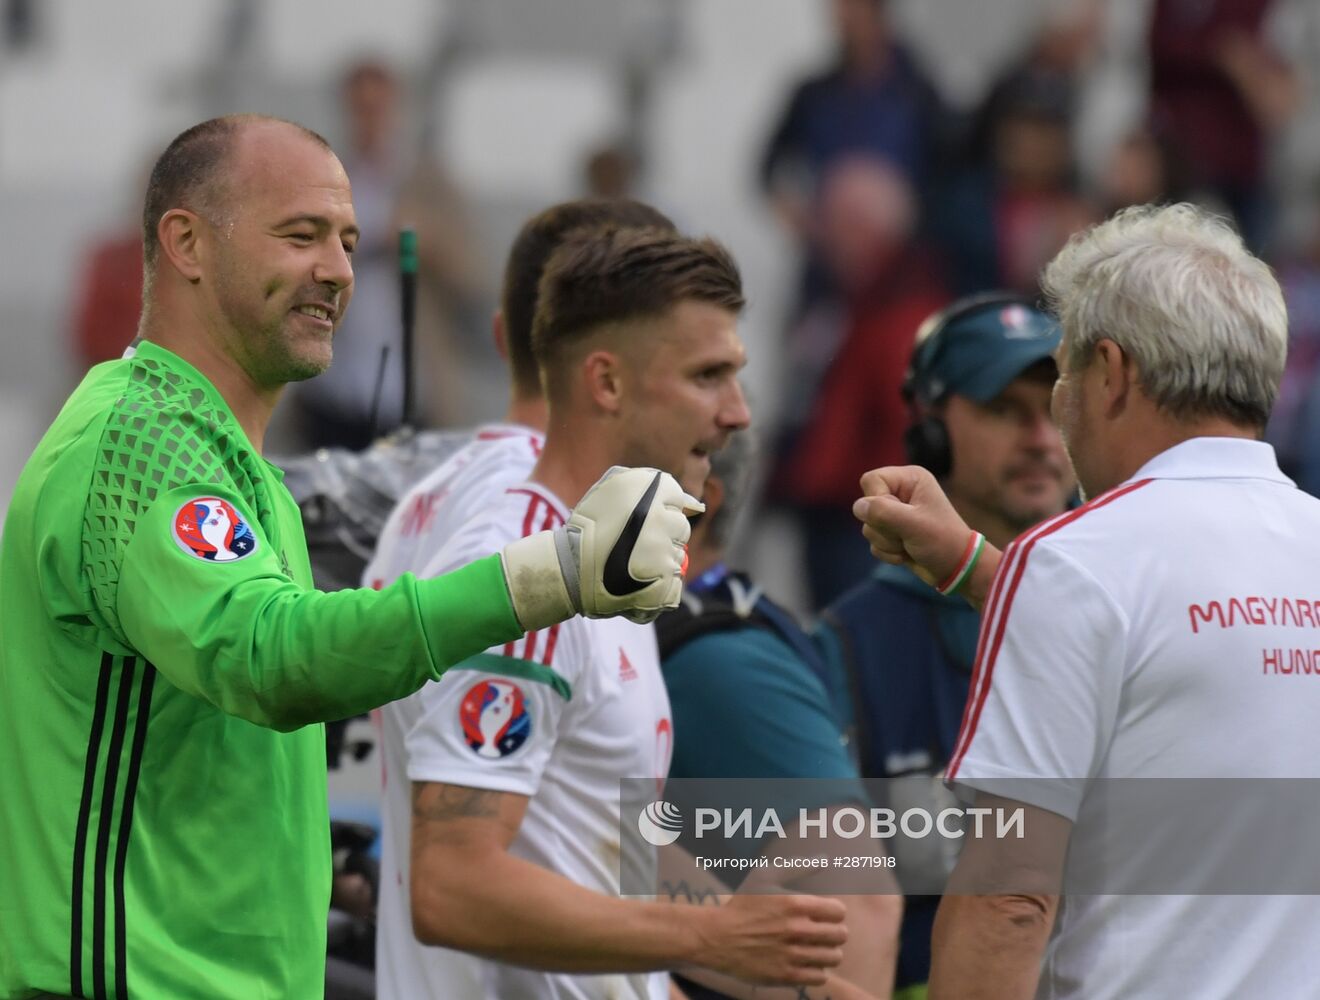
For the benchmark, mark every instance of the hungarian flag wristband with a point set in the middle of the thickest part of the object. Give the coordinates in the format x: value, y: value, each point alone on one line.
x: 971, y: 555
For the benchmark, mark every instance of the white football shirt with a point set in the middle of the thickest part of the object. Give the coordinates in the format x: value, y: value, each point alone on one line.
x: 561, y: 716
x: 456, y: 491
x: 1145, y: 635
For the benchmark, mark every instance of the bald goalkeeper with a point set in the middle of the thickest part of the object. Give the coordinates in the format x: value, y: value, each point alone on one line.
x: 165, y: 661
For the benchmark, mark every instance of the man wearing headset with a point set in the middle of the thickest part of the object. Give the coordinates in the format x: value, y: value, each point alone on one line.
x: 898, y: 653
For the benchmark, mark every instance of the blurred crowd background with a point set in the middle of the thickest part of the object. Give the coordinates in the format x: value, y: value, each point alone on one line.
x: 865, y: 160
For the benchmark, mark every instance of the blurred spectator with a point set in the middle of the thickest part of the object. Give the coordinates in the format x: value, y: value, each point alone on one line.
x: 1218, y: 89
x: 1003, y: 219
x: 872, y: 100
x: 610, y: 171
x: 844, y: 406
x: 109, y: 292
x: 109, y: 297
x: 392, y: 187
x: 1294, y: 427
x: 1140, y: 170
x: 20, y: 22
x: 1056, y: 63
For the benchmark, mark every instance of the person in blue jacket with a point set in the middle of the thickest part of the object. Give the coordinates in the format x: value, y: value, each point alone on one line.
x: 747, y: 700
x: 897, y: 653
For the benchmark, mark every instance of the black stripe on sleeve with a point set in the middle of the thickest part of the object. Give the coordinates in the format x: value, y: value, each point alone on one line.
x: 84, y: 818
x: 126, y: 824
x: 126, y: 672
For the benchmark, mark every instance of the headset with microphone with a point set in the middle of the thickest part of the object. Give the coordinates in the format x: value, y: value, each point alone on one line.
x: 926, y: 439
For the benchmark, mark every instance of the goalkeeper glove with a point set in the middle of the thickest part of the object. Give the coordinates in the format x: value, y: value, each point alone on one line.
x: 622, y: 552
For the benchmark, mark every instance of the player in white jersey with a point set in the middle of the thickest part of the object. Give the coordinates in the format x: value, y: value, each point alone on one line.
x: 466, y: 485
x: 456, y: 491
x: 515, y: 765
x: 460, y: 489
x: 500, y: 454
x: 558, y: 718
x: 1147, y: 635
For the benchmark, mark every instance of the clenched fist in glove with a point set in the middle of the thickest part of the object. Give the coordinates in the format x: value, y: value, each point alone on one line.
x: 622, y: 552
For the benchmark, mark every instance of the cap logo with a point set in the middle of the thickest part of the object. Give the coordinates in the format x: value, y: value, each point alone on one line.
x: 1016, y: 321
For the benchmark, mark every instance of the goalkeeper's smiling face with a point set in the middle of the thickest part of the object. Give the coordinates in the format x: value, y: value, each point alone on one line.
x: 684, y: 398
x: 281, y: 267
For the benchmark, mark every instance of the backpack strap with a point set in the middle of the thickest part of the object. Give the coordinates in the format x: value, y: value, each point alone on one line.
x: 736, y: 602
x: 704, y: 614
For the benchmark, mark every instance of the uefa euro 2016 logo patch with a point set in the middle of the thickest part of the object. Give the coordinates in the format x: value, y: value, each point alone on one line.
x: 495, y: 718
x: 212, y: 529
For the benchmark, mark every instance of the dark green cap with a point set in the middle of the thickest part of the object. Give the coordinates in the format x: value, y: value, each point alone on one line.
x: 977, y: 346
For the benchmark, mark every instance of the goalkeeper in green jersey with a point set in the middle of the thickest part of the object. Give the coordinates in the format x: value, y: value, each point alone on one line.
x: 163, y: 657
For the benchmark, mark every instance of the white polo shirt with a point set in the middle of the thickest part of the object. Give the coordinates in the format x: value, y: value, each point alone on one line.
x: 1155, y: 633
x: 560, y: 715
x: 456, y: 491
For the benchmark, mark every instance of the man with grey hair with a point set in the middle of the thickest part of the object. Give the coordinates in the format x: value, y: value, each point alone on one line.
x: 1116, y: 644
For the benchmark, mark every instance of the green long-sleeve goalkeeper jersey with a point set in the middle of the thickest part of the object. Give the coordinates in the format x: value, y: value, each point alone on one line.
x: 163, y: 826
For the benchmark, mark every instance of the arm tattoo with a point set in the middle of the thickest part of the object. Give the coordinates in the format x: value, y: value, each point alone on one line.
x: 454, y: 802
x: 698, y: 897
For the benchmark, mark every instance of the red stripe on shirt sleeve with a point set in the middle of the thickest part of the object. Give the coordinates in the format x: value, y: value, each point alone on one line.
x: 529, y: 518
x: 551, y: 640
x: 552, y: 517
x: 988, y: 649
x: 988, y: 618
x: 551, y: 520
